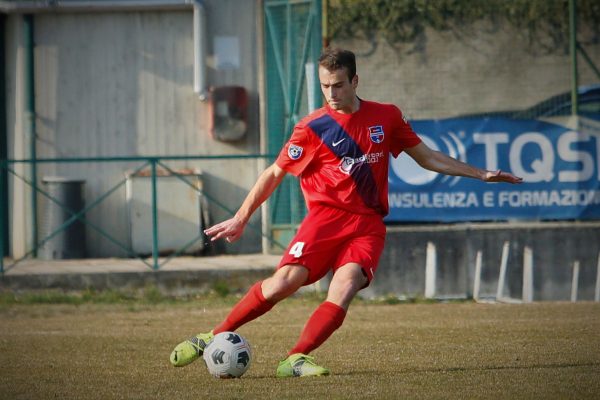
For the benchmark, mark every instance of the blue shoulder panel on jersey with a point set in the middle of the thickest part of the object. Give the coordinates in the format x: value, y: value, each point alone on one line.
x: 350, y: 155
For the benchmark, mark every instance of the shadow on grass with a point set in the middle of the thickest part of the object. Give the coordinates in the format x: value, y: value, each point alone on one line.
x: 471, y: 369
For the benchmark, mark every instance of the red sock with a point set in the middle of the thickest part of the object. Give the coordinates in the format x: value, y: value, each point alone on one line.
x: 322, y: 323
x: 250, y: 307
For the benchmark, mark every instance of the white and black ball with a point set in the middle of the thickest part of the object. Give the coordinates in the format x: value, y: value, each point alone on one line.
x: 228, y: 355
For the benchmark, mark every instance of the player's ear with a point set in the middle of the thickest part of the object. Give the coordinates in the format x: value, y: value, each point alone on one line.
x: 355, y: 81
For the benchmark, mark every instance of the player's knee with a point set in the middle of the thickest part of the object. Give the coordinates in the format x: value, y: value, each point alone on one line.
x: 284, y: 283
x: 346, y: 286
x: 349, y: 285
x: 350, y: 279
x: 278, y: 289
x: 342, y: 291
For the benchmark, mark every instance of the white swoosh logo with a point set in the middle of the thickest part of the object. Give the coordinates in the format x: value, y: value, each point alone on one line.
x: 334, y: 144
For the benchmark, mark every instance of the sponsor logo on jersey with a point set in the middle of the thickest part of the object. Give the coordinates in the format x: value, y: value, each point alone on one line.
x: 348, y: 163
x: 376, y: 133
x: 295, y: 152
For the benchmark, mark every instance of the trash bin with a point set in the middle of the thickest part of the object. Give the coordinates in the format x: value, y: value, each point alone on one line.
x: 70, y: 241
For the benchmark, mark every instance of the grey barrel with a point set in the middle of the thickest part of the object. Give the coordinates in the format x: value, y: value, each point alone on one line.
x: 70, y: 240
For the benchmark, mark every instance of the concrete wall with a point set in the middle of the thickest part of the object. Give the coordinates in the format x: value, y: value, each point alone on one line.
x: 555, y: 247
x: 121, y: 84
x: 480, y: 68
x: 477, y: 69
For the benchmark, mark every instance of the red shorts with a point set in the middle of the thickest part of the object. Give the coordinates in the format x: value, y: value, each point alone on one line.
x: 330, y: 237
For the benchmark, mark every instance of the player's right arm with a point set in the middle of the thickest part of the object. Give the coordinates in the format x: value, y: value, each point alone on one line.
x: 437, y: 161
x: 233, y: 228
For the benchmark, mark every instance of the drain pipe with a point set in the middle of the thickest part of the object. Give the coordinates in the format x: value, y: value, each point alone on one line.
x: 3, y: 151
x: 30, y: 120
x: 200, y: 49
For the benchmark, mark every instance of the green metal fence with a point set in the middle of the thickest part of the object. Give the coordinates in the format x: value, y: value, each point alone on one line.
x: 153, y: 163
x: 292, y: 48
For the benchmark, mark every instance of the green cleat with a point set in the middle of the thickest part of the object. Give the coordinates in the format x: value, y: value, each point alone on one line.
x: 300, y: 365
x: 191, y: 349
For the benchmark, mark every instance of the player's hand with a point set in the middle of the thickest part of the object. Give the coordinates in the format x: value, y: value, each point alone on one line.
x: 231, y: 230
x: 501, y: 176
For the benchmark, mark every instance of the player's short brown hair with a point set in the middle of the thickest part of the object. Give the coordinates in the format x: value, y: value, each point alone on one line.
x: 334, y: 58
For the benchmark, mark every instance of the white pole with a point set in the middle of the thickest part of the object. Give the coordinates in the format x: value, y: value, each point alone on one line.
x: 199, y: 20
x: 477, y: 283
x: 597, y: 293
x: 502, y: 276
x: 575, y: 281
x: 430, y: 270
x: 527, y: 275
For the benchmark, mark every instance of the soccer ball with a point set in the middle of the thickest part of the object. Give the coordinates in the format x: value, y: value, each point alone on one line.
x: 228, y: 355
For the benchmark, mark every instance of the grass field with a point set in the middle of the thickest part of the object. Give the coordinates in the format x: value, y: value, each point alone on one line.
x: 428, y: 351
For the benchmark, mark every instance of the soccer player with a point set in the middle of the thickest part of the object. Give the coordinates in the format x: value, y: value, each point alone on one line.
x: 340, y: 153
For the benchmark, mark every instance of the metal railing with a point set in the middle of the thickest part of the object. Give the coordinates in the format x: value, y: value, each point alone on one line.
x: 153, y: 163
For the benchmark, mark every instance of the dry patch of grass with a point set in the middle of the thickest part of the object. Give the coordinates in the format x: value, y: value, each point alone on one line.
x: 108, y: 351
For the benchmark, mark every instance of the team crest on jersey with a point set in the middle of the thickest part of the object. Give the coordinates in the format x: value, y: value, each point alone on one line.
x: 294, y: 152
x: 376, y: 133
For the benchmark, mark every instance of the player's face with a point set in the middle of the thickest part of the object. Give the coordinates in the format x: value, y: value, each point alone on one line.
x: 339, y: 91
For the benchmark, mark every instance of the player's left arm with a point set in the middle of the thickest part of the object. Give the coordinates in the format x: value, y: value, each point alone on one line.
x: 439, y: 162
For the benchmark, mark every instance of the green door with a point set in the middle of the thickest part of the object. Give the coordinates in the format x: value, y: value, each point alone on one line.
x: 292, y: 47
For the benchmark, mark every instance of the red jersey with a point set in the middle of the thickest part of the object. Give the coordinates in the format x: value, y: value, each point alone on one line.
x: 342, y: 159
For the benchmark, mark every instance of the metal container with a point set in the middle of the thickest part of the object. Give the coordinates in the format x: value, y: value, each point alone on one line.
x: 65, y: 232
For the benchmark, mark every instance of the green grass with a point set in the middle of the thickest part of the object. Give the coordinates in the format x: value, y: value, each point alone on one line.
x: 150, y: 294
x: 102, y: 350
x: 219, y: 294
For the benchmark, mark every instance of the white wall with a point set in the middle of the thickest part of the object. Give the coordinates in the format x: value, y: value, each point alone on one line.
x: 121, y: 84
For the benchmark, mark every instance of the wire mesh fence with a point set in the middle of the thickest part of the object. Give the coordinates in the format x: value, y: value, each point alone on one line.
x: 153, y: 207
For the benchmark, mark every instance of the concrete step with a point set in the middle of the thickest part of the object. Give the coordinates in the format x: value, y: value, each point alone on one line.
x: 178, y: 277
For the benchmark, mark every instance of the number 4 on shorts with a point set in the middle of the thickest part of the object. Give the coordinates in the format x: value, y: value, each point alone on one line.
x: 296, y: 249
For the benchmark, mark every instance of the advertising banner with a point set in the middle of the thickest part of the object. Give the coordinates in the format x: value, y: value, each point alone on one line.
x: 560, y: 168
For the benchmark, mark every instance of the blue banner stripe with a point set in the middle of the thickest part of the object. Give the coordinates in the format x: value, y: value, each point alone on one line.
x: 342, y: 145
x: 560, y: 167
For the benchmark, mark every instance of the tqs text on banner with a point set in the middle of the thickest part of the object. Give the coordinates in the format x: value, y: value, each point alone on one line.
x: 560, y: 168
